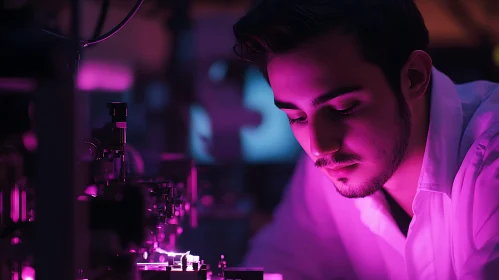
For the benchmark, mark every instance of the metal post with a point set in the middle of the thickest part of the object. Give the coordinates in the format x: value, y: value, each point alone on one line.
x: 61, y: 223
x: 55, y: 196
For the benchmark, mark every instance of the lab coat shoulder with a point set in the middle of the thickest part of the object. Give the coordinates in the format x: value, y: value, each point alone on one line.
x: 293, y: 243
x: 475, y: 193
x: 480, y: 105
x: 476, y: 209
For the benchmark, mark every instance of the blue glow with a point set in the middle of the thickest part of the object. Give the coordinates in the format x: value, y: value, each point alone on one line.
x: 272, y: 140
x: 157, y: 95
x: 218, y: 71
x: 200, y: 135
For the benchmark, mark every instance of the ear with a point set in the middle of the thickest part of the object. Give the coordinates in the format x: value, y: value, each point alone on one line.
x: 416, y: 75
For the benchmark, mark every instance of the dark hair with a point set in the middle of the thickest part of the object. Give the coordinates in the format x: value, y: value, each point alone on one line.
x: 387, y: 31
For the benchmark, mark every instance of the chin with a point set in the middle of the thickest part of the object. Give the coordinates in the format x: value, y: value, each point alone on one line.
x: 350, y: 189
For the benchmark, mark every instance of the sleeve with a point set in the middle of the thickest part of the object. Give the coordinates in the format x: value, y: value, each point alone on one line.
x: 289, y: 245
x: 483, y: 263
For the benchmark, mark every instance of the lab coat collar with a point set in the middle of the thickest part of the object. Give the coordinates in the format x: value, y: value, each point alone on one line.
x: 440, y: 161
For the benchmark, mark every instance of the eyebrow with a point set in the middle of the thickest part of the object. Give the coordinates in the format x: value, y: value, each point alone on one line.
x: 323, y: 98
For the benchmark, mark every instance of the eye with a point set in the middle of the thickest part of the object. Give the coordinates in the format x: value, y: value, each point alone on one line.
x: 347, y: 110
x: 297, y: 120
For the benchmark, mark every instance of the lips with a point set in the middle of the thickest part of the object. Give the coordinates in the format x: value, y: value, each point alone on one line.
x: 340, y: 170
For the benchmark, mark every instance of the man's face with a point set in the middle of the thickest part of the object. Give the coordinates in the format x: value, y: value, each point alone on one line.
x: 343, y: 113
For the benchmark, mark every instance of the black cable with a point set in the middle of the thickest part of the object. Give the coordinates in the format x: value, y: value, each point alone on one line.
x: 106, y: 36
x: 102, y: 18
x: 117, y: 28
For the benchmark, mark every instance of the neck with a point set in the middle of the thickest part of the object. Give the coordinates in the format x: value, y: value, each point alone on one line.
x: 403, y: 185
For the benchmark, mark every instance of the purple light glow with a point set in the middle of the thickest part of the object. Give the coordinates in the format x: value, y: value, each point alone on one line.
x: 98, y: 75
x: 18, y: 84
x: 272, y: 276
x: 28, y: 273
x: 30, y: 141
x: 17, y: 196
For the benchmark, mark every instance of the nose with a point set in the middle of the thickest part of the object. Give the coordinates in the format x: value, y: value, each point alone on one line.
x: 325, y: 137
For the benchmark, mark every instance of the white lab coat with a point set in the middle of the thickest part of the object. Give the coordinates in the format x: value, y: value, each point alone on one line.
x: 454, y: 234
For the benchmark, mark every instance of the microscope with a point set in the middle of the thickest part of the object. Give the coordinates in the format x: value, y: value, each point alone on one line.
x: 134, y: 220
